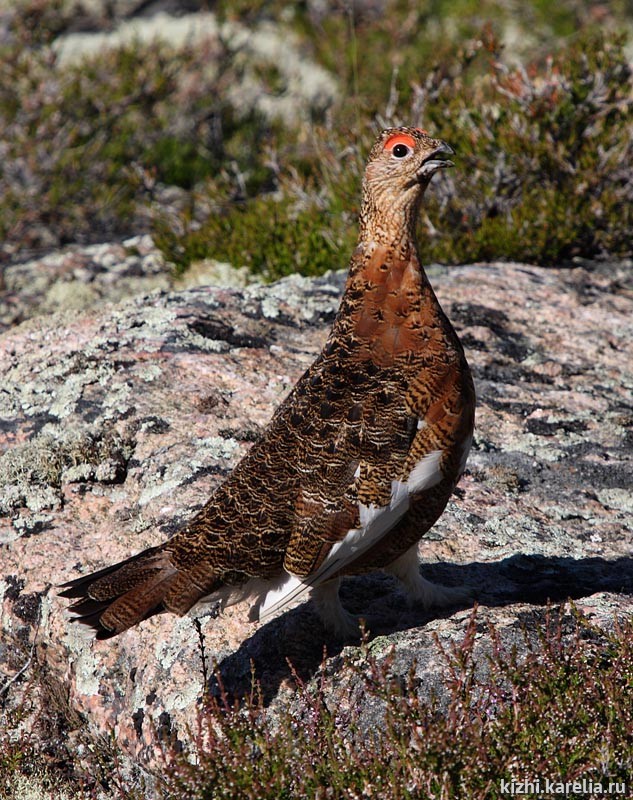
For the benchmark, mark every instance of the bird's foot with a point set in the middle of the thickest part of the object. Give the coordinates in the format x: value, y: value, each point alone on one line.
x: 432, y: 595
x: 421, y: 592
x: 336, y: 619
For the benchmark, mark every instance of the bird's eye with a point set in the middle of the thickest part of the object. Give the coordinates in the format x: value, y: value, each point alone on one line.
x: 401, y: 150
x: 400, y: 145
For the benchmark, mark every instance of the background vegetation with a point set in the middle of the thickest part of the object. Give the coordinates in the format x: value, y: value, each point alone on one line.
x: 557, y: 711
x: 537, y: 103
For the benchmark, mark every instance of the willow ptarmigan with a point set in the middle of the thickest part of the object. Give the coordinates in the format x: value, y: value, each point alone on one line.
x: 357, y: 463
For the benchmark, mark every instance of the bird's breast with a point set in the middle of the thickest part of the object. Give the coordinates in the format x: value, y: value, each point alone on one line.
x: 392, y: 313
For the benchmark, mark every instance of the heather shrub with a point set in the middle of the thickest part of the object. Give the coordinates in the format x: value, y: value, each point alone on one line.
x: 543, y: 170
x: 92, y: 150
x: 553, y: 701
x: 546, y: 150
x: 558, y: 708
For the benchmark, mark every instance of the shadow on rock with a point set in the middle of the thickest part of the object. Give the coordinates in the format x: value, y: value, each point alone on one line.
x: 295, y: 643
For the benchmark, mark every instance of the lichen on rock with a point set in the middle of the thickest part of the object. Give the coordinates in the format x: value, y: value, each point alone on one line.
x: 118, y: 422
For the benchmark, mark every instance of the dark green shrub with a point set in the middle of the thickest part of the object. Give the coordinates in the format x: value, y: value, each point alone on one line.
x: 272, y: 237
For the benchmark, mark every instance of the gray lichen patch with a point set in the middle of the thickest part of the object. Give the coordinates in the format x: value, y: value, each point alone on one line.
x: 33, y: 787
x: 619, y: 500
x: 53, y: 387
x: 313, y: 299
x: 209, y: 272
x: 31, y: 474
x: 78, y: 278
x: 213, y: 453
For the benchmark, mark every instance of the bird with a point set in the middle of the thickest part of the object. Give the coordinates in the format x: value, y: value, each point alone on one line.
x: 357, y: 463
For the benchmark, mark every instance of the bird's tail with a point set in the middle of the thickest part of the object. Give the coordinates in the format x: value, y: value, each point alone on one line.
x: 114, y: 599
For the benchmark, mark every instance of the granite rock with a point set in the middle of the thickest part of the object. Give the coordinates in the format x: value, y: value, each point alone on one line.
x: 117, y: 422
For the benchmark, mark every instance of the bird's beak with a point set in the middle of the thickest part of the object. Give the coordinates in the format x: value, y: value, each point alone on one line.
x: 438, y: 159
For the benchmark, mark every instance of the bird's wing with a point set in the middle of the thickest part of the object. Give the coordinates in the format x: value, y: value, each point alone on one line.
x: 358, y: 475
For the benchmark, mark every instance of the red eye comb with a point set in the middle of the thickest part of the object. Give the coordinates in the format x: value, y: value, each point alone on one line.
x: 399, y: 138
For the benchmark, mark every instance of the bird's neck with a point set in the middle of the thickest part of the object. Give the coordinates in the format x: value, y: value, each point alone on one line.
x: 389, y: 309
x: 389, y: 221
x: 387, y: 254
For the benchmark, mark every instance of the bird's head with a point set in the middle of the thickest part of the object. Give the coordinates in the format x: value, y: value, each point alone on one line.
x: 400, y: 165
x: 406, y: 158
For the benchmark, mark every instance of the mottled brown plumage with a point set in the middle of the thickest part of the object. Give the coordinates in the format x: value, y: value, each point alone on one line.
x: 357, y: 463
